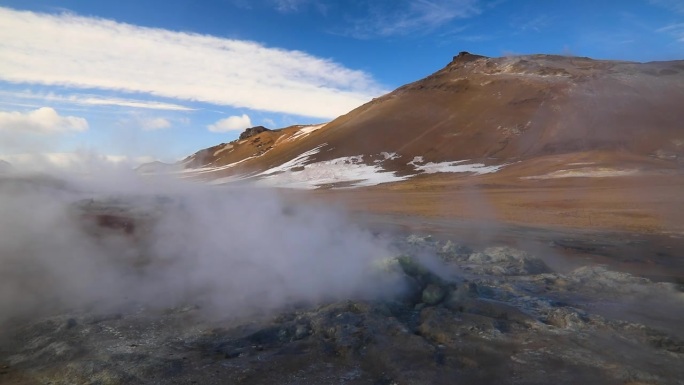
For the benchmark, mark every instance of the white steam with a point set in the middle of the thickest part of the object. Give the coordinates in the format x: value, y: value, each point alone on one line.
x: 232, y: 251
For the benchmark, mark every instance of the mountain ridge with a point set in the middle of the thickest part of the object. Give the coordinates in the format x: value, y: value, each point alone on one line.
x: 477, y: 115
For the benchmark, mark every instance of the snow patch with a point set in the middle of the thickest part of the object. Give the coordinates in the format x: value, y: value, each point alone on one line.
x: 453, y: 167
x: 228, y: 179
x: 348, y: 170
x: 415, y: 161
x: 596, y: 172
x: 226, y: 147
x: 387, y: 156
x: 477, y: 168
x: 205, y: 169
x: 299, y: 161
x: 305, y: 131
x: 281, y: 137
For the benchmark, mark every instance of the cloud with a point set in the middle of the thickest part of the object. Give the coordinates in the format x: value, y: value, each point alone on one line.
x: 97, y: 101
x: 269, y: 122
x: 43, y: 120
x: 232, y: 123
x: 284, y: 6
x: 474, y: 38
x: 676, y: 30
x: 93, y: 100
x: 407, y: 17
x: 534, y: 24
x: 287, y: 6
x: 672, y: 5
x: 74, y: 51
x: 155, y: 124
x: 74, y: 161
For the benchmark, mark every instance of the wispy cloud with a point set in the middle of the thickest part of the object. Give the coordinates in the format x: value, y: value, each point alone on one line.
x: 152, y: 124
x: 474, y: 38
x: 44, y: 120
x: 672, y: 5
x: 231, y: 123
x: 71, y: 160
x: 269, y: 122
x: 93, y: 100
x: 284, y: 6
x: 288, y: 5
x: 531, y: 24
x: 676, y: 30
x: 97, y: 101
x: 406, y: 17
x: 82, y: 52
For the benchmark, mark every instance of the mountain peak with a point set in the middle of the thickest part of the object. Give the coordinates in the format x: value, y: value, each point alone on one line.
x: 524, y: 115
x: 248, y: 133
x: 464, y: 57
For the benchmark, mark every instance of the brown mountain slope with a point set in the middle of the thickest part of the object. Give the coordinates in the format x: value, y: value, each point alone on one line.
x: 493, y: 111
x: 516, y: 108
x: 531, y: 139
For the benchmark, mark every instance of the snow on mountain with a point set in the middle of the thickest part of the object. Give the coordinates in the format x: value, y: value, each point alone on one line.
x: 479, y: 117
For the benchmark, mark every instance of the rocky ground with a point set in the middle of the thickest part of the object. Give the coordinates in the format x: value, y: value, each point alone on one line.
x: 495, y: 315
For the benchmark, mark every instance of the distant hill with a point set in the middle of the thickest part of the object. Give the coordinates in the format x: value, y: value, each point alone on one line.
x: 5, y: 166
x: 157, y: 167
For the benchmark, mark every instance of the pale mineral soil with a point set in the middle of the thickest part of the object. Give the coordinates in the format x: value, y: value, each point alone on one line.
x: 498, y: 315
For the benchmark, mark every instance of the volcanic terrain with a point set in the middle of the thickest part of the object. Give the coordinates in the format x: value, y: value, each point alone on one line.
x: 539, y: 139
x: 514, y: 220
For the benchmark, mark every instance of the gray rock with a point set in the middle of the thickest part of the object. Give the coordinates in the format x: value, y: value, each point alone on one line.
x: 433, y: 294
x: 504, y: 328
x: 506, y: 261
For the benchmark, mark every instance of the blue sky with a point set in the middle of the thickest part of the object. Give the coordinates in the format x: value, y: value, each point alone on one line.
x: 162, y: 79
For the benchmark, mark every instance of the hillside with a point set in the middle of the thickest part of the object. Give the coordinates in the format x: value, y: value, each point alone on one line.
x: 528, y: 131
x: 484, y: 113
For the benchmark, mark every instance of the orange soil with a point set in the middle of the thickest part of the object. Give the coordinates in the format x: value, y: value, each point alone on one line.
x: 646, y: 204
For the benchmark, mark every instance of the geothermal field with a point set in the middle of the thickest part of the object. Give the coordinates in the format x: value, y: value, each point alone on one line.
x: 513, y: 220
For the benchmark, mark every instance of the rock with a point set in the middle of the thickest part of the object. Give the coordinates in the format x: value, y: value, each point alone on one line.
x: 440, y: 326
x: 411, y: 267
x: 566, y: 318
x: 507, y: 261
x: 414, y: 269
x: 345, y: 332
x: 415, y: 239
x: 601, y: 277
x: 71, y: 323
x: 452, y: 252
x: 302, y: 331
x: 464, y: 57
x: 505, y: 328
x: 433, y: 294
x: 462, y: 292
x: 413, y: 290
x: 248, y: 133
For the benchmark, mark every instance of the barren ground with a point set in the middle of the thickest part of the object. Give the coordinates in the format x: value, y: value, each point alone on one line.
x: 540, y: 281
x: 635, y: 223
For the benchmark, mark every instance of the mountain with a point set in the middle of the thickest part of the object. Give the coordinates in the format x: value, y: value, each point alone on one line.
x: 5, y: 167
x: 157, y: 167
x: 478, y: 115
x: 536, y: 140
